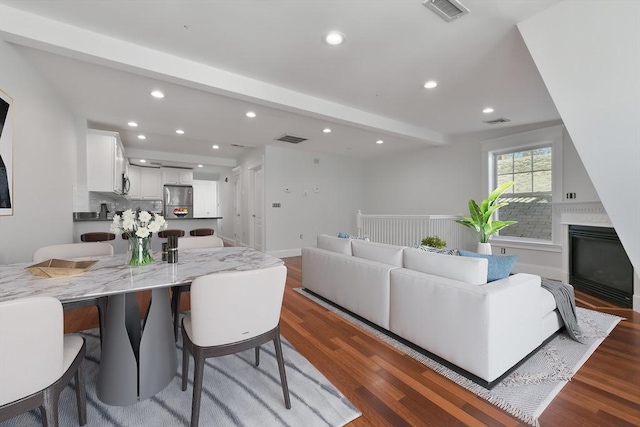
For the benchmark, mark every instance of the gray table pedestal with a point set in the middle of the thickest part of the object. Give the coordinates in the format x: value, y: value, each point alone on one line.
x: 137, y: 361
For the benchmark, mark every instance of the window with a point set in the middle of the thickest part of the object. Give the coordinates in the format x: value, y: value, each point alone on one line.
x: 530, y: 197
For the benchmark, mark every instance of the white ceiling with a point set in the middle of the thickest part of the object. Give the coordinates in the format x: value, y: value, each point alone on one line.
x: 268, y: 56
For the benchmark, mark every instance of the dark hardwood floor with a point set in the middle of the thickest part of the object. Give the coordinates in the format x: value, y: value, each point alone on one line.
x: 392, y: 389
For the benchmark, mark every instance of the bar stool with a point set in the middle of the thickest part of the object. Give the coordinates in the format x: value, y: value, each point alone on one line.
x: 170, y: 232
x: 97, y: 236
x: 202, y: 232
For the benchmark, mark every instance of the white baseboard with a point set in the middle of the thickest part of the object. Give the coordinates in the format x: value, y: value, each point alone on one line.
x: 636, y: 303
x: 285, y: 253
x: 540, y: 270
x: 227, y: 240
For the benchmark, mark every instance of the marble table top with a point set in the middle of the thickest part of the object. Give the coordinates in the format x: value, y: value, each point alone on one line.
x: 112, y: 275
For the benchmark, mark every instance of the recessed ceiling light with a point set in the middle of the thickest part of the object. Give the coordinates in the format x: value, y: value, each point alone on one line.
x: 157, y: 94
x: 488, y: 110
x: 200, y: 166
x: 133, y: 124
x: 250, y: 114
x: 215, y: 147
x: 142, y: 137
x: 179, y: 131
x: 334, y: 38
x: 379, y: 142
x: 143, y: 161
x: 430, y: 84
x: 326, y: 130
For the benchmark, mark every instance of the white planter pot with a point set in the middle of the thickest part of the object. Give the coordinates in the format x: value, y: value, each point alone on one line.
x: 484, y: 248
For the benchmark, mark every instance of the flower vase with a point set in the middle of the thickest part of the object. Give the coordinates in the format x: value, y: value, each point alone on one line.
x: 140, y: 250
x: 484, y: 248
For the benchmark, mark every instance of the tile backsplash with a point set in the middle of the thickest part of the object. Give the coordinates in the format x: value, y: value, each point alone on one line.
x: 120, y: 204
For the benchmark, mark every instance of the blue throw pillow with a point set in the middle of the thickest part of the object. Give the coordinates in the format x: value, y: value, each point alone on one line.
x: 349, y: 236
x: 499, y: 265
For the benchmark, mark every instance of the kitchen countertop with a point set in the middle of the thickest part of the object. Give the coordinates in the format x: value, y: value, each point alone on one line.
x: 111, y: 219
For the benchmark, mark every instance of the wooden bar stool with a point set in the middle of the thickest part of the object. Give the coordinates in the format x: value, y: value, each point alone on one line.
x: 202, y: 232
x: 97, y: 236
x: 171, y: 232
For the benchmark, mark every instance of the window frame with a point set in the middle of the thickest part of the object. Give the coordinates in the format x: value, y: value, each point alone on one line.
x: 547, y: 137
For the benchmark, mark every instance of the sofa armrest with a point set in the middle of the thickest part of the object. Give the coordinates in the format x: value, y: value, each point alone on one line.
x: 484, y: 329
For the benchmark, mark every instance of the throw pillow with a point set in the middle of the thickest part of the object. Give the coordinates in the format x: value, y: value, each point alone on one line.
x: 349, y: 236
x: 436, y: 250
x: 499, y: 265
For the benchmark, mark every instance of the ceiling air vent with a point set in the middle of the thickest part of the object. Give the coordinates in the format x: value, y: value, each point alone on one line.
x: 238, y: 145
x: 497, y: 121
x: 292, y: 139
x: 155, y: 163
x: 447, y: 9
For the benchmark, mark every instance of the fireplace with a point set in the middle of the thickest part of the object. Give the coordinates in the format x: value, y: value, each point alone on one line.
x: 599, y: 265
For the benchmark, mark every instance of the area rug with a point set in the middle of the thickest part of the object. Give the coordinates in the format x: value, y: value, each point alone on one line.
x: 235, y: 393
x: 528, y: 390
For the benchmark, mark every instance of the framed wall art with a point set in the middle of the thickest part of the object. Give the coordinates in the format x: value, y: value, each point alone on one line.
x: 6, y: 154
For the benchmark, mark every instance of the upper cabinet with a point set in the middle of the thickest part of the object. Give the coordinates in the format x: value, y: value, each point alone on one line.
x: 106, y: 166
x: 146, y: 183
x: 177, y: 176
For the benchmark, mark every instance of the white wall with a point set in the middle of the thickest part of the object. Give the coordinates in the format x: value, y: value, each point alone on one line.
x: 44, y: 160
x: 588, y: 54
x: 332, y: 209
x: 441, y: 180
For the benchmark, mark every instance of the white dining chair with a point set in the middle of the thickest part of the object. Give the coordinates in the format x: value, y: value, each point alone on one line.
x: 197, y: 242
x: 232, y: 312
x: 37, y: 360
x: 72, y: 250
x: 77, y: 250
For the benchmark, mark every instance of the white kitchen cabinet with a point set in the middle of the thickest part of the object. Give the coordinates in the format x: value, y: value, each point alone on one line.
x: 146, y: 183
x: 134, y: 182
x: 205, y: 199
x: 105, y: 162
x: 177, y: 176
x: 150, y: 184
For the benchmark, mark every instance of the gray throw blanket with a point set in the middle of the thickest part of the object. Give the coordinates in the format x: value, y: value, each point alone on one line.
x: 566, y: 303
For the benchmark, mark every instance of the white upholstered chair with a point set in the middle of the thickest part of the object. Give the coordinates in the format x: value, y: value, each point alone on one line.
x: 232, y: 312
x: 198, y: 242
x: 72, y: 250
x: 77, y: 250
x: 37, y: 360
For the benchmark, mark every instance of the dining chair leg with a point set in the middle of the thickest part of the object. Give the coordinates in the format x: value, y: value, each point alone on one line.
x: 49, y: 409
x: 283, y: 376
x: 258, y: 356
x: 197, y: 387
x: 81, y: 393
x: 101, y: 304
x: 185, y: 361
x: 175, y: 309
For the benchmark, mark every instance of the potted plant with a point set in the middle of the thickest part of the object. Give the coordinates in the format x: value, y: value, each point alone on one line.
x: 480, y: 217
x: 434, y: 242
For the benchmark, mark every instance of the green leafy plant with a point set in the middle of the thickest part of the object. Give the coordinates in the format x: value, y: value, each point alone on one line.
x: 434, y: 242
x: 480, y: 218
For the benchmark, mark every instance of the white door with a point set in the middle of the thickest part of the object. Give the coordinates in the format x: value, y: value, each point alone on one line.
x: 237, y: 209
x: 257, y: 207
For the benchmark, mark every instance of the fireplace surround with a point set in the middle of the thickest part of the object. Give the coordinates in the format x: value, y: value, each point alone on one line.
x: 599, y: 265
x: 593, y: 215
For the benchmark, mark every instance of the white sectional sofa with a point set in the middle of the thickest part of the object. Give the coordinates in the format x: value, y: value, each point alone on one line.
x: 441, y: 303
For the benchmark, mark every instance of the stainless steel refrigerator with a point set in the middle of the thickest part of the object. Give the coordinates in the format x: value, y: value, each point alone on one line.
x: 178, y: 201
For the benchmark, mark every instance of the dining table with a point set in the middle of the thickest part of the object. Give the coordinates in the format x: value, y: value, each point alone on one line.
x: 138, y: 356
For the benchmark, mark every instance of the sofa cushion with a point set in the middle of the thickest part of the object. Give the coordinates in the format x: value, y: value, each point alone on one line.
x: 499, y: 265
x: 468, y: 270
x: 334, y: 244
x: 380, y: 252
